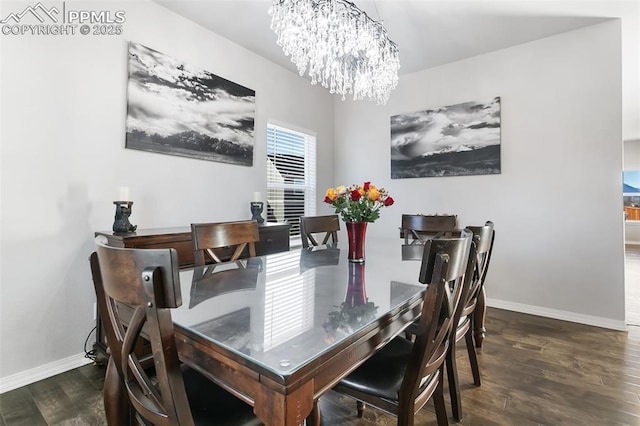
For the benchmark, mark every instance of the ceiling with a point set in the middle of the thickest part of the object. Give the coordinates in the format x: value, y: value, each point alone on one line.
x: 428, y: 32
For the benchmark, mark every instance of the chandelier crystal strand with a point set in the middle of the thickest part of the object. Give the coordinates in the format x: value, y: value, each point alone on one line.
x: 339, y: 46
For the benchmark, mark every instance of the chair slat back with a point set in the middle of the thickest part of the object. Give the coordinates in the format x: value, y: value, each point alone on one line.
x: 208, y: 236
x: 444, y: 264
x: 123, y: 274
x: 310, y: 225
x: 131, y: 285
x: 418, y: 227
x: 457, y: 248
x: 483, y: 237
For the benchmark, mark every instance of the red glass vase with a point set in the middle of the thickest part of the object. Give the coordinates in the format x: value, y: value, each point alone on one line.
x: 356, y: 232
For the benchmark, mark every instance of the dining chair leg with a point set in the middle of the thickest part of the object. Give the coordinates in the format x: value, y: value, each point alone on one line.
x: 438, y: 401
x: 361, y: 407
x: 410, y: 336
x: 116, y: 401
x: 479, y: 318
x: 314, y: 418
x: 406, y: 418
x: 454, y: 387
x: 473, y: 358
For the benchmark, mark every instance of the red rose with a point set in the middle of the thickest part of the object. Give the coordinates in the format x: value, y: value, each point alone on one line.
x: 388, y: 201
x: 355, y: 195
x: 327, y: 200
x: 366, y: 186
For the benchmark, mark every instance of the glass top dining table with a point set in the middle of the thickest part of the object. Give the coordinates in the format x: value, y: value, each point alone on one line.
x: 282, y: 311
x: 279, y: 331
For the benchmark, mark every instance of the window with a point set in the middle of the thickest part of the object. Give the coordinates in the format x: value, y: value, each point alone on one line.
x: 291, y: 176
x: 631, y: 194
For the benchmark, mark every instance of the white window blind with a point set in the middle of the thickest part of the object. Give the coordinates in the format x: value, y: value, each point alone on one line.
x: 291, y: 176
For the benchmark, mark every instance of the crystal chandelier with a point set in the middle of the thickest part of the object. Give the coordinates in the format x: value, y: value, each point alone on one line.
x: 343, y: 49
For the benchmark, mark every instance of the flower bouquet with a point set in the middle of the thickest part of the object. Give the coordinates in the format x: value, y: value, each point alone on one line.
x: 358, y: 205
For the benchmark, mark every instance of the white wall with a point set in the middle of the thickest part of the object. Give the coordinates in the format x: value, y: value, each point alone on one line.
x: 632, y: 154
x: 63, y: 159
x: 556, y: 205
x: 630, y: 68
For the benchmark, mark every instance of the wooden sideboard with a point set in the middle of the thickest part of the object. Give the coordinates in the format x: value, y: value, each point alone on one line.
x: 274, y: 238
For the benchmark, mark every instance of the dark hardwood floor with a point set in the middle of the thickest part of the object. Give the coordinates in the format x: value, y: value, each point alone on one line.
x: 534, y: 370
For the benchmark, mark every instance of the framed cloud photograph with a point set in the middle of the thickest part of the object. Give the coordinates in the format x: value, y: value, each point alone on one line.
x: 456, y: 140
x: 177, y: 109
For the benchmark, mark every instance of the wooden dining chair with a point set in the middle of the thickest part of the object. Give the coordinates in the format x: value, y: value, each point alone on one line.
x: 207, y: 237
x: 481, y: 306
x: 417, y: 227
x: 403, y: 376
x: 310, y: 225
x: 136, y: 290
x: 483, y: 237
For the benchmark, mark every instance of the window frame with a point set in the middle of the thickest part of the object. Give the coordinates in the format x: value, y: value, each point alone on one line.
x: 309, y: 187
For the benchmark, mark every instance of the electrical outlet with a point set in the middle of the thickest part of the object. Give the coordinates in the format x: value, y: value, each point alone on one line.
x: 95, y: 310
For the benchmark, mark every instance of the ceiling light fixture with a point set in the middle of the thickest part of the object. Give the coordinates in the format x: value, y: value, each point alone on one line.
x: 343, y: 48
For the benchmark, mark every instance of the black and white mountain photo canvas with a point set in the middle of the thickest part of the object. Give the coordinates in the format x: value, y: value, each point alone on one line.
x: 177, y: 109
x: 457, y: 140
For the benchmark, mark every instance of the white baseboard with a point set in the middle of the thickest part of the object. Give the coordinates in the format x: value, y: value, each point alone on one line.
x: 33, y: 375
x: 557, y: 314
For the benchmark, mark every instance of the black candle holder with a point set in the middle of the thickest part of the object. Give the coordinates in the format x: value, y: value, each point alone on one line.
x: 121, y: 223
x: 256, y: 211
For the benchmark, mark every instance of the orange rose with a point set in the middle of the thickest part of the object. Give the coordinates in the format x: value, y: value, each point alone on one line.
x: 373, y: 194
x: 331, y: 194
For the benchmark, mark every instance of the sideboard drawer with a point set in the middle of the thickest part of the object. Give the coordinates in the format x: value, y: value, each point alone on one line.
x: 184, y: 249
x: 274, y: 238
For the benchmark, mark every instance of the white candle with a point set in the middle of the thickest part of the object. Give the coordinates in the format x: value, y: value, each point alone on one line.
x: 124, y: 193
x: 257, y: 196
